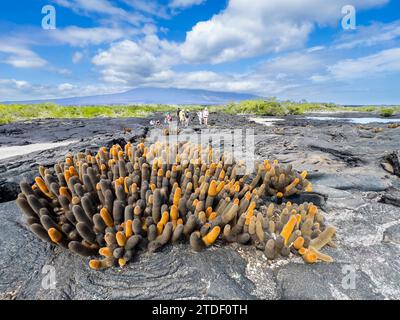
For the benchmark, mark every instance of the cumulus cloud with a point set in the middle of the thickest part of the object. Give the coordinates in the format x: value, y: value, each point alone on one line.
x: 126, y: 62
x: 385, y: 61
x: 129, y: 62
x: 299, y: 63
x: 77, y: 36
x: 20, y: 57
x: 243, y: 30
x: 104, y: 7
x: 367, y: 36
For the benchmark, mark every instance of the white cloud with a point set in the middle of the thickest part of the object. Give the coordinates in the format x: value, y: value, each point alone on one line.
x: 14, y: 90
x: 104, y: 7
x: 367, y: 36
x: 298, y: 63
x: 126, y: 62
x: 150, y: 7
x: 65, y: 87
x: 77, y: 57
x: 386, y: 61
x: 184, y: 3
x: 20, y: 57
x: 246, y: 30
x: 77, y: 36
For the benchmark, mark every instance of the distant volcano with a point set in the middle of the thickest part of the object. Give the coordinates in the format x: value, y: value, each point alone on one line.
x: 153, y: 96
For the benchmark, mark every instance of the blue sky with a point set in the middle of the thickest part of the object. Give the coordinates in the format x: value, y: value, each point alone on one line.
x: 290, y: 49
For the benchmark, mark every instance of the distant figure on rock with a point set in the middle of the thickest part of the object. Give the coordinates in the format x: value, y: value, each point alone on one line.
x: 182, y: 117
x: 205, y: 116
x: 178, y: 111
x: 187, y: 117
x: 200, y: 116
x: 168, y: 118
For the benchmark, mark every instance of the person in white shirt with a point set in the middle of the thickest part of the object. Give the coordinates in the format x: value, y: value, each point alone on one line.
x: 205, y: 116
x: 200, y: 116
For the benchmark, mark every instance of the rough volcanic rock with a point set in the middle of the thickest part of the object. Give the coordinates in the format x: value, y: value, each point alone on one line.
x: 348, y: 181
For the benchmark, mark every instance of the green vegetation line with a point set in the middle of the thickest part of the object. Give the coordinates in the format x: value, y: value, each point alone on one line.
x: 18, y: 112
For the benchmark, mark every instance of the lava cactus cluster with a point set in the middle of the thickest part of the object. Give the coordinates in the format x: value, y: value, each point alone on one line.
x: 118, y: 202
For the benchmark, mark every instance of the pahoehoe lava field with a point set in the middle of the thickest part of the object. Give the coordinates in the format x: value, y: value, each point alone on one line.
x: 345, y: 162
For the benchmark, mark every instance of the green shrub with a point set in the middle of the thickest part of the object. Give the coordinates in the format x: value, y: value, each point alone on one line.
x: 387, y: 112
x: 295, y: 110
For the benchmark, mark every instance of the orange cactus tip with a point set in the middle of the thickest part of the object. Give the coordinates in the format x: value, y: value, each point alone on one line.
x: 212, y: 216
x: 310, y: 257
x: 212, y: 189
x: 160, y: 172
x: 121, y: 238
x: 298, y: 218
x: 73, y: 171
x: 288, y: 228
x: 236, y: 201
x: 252, y: 206
x: 179, y: 221
x: 164, y: 218
x: 128, y: 228
x: 267, y: 165
x: 64, y: 191
x: 105, y: 252
x: 309, y: 188
x: 42, y: 186
x: 54, y: 235
x: 67, y: 175
x: 153, y: 187
x: 69, y: 161
x: 122, y: 262
x: 95, y: 264
x: 174, y: 213
x: 303, y: 250
x: 103, y: 167
x: 106, y: 217
x: 298, y: 243
x: 126, y: 188
x: 221, y: 175
x: 279, y: 195
x: 304, y: 174
x: 210, y: 238
x: 177, y: 196
x: 220, y: 186
x: 160, y: 227
x: 312, y: 210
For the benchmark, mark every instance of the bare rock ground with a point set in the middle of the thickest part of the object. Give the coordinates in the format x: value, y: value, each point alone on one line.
x: 344, y: 165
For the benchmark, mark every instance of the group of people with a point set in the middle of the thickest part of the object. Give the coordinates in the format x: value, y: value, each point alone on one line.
x: 183, y: 117
x: 203, y: 116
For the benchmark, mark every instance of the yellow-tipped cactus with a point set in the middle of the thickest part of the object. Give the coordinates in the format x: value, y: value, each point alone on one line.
x: 111, y: 203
